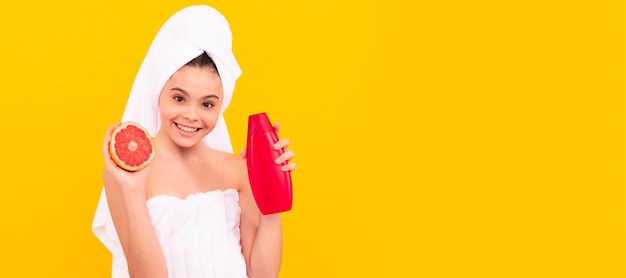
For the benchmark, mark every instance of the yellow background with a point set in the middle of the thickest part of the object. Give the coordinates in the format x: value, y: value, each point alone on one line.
x: 433, y: 138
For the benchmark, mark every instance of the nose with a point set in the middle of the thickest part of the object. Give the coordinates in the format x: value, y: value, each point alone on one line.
x: 190, y: 114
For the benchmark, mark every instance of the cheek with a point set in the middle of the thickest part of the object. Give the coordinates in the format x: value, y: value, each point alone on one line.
x: 167, y: 111
x: 210, y: 118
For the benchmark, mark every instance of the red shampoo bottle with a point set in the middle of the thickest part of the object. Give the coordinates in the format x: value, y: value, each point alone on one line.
x: 270, y: 186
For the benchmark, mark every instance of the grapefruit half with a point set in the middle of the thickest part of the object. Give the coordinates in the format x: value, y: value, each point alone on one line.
x: 131, y: 146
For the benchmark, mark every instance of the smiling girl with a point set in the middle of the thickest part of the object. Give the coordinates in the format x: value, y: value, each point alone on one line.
x: 190, y: 213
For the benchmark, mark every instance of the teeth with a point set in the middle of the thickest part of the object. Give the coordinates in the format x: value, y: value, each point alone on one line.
x: 186, y: 129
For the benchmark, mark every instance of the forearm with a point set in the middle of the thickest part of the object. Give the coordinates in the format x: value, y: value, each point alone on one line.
x: 144, y: 254
x: 266, y: 253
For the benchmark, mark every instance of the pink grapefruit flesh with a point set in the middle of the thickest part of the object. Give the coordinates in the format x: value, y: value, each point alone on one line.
x: 131, y: 146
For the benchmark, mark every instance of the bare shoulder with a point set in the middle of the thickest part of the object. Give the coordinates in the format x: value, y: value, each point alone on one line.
x: 237, y: 167
x: 232, y: 165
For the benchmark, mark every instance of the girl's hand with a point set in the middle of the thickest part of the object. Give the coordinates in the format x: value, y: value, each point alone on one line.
x: 128, y: 181
x: 287, y: 155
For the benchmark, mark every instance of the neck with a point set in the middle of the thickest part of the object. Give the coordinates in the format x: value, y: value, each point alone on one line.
x: 166, y: 146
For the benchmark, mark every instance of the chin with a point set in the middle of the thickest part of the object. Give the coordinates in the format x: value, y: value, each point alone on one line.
x: 185, y: 143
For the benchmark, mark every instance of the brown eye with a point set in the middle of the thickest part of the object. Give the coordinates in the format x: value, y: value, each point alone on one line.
x: 207, y: 104
x: 178, y: 99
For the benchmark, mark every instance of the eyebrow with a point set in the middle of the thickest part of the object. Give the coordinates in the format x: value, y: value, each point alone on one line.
x: 187, y: 94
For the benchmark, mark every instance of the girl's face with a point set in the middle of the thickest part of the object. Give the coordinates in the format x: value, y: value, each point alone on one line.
x: 190, y: 103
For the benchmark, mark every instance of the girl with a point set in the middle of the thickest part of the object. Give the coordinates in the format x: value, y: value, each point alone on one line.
x: 191, y: 212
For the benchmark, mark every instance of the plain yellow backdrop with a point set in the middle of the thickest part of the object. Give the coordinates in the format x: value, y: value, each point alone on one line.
x: 433, y: 138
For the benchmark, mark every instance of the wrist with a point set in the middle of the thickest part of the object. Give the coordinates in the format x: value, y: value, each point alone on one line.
x: 134, y: 193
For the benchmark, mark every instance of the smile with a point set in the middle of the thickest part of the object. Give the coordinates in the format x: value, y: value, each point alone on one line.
x: 186, y: 128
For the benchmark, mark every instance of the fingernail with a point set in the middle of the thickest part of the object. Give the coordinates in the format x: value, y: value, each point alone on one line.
x: 277, y: 161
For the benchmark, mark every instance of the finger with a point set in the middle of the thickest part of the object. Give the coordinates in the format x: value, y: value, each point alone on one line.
x: 108, y: 161
x: 281, y: 144
x: 284, y: 157
x: 289, y: 167
x: 276, y: 127
x: 243, y: 153
x: 107, y: 140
